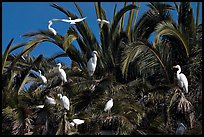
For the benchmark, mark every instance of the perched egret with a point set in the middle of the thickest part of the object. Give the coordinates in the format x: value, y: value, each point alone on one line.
x: 182, y: 80
x: 71, y: 124
x: 91, y: 65
x: 51, y: 29
x: 64, y: 101
x: 50, y: 100
x: 74, y: 21
x: 44, y: 79
x: 103, y: 21
x: 108, y: 106
x: 180, y: 129
x: 40, y: 106
x: 62, y: 73
x: 78, y: 121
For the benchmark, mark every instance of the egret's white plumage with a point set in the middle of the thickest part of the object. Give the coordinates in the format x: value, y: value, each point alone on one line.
x: 64, y: 101
x: 108, y: 105
x: 78, y: 121
x: 180, y: 129
x: 182, y: 80
x: 51, y: 29
x: 91, y: 65
x: 71, y: 124
x: 74, y: 21
x: 40, y: 106
x: 43, y: 78
x: 50, y: 100
x: 103, y: 21
x: 62, y: 73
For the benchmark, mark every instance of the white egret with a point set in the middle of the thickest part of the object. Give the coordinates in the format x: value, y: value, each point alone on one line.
x: 51, y: 29
x: 182, y: 80
x: 108, y: 106
x: 71, y: 124
x: 64, y: 101
x: 62, y: 73
x: 43, y: 78
x: 50, y: 100
x: 40, y: 106
x: 78, y: 121
x: 74, y: 21
x: 180, y: 129
x: 103, y: 21
x: 91, y: 65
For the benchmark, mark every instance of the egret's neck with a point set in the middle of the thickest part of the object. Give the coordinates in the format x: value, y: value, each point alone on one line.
x: 178, y: 72
x: 49, y: 25
x: 95, y: 58
x: 59, y: 67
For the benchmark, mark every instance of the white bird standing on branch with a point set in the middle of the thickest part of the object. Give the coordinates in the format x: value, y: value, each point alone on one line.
x: 74, y: 21
x: 91, y: 65
x: 40, y: 106
x: 180, y: 129
x: 51, y: 29
x: 43, y: 78
x: 108, y: 106
x: 63, y: 75
x: 50, y: 101
x: 78, y: 121
x: 64, y: 101
x: 182, y: 80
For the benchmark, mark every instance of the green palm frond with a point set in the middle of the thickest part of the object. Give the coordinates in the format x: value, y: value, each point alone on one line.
x: 146, y: 24
x: 197, y: 13
x: 117, y: 18
x: 122, y: 19
x: 167, y: 28
x: 70, y: 36
x: 61, y: 9
x: 5, y: 55
x: 142, y: 55
x: 130, y: 20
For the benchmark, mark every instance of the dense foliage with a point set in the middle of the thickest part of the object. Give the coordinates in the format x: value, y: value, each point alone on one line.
x: 136, y: 72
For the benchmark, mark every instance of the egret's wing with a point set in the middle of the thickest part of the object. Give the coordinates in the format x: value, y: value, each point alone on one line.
x: 66, y: 102
x: 65, y: 20
x: 78, y: 20
x: 183, y: 78
x: 106, y: 106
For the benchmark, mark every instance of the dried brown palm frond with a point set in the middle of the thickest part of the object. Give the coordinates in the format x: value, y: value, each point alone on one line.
x: 184, y: 106
x: 119, y: 124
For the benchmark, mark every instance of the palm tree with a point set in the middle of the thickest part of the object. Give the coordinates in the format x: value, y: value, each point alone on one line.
x: 130, y: 70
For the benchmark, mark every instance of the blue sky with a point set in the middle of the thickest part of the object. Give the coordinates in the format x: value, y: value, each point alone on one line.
x: 19, y: 18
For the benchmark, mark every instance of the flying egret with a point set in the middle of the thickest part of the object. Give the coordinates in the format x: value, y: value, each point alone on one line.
x: 103, y: 21
x: 44, y: 79
x: 91, y: 65
x: 62, y: 73
x: 108, y: 106
x: 64, y: 101
x: 180, y: 129
x: 51, y: 29
x: 74, y: 21
x: 50, y: 100
x: 182, y: 80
